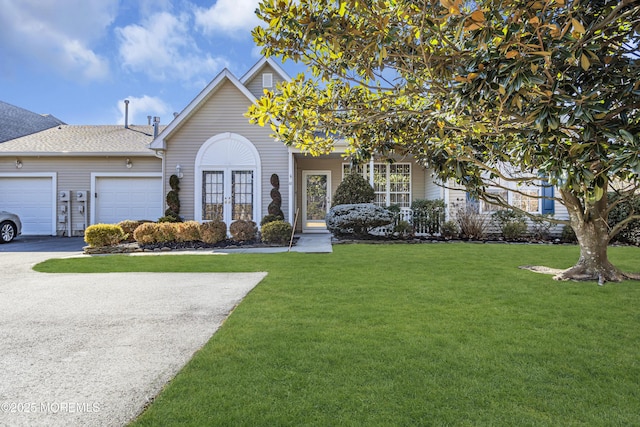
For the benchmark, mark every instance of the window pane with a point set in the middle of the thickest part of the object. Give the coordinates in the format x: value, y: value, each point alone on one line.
x: 242, y: 195
x: 489, y: 207
x: 212, y: 195
x: 527, y: 202
x: 400, y: 184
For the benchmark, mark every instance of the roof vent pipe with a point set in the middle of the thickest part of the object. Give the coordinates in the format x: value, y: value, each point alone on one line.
x: 126, y: 114
x: 156, y: 123
x: 149, y: 120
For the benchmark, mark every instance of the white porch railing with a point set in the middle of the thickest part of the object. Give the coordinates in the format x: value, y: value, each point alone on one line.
x: 422, y: 225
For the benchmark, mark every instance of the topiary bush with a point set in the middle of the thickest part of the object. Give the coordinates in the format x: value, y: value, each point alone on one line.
x: 242, y: 230
x: 212, y: 232
x: 353, y: 189
x: 276, y: 232
x: 165, y: 232
x: 188, y: 231
x: 512, y: 224
x: 275, y: 207
x: 98, y: 235
x: 172, y: 214
x: 357, y: 219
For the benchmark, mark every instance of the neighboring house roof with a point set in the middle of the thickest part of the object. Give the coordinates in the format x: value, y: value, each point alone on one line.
x: 16, y: 122
x: 209, y: 90
x: 72, y: 140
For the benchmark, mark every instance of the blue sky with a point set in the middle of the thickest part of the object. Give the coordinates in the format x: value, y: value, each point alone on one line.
x: 80, y: 59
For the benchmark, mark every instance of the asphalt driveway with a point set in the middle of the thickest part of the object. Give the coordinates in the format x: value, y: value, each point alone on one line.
x: 94, y: 349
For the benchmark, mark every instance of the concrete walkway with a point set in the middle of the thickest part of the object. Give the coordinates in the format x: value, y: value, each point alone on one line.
x: 316, y: 243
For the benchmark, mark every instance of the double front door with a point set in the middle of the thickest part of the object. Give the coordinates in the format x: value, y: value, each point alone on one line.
x: 228, y: 195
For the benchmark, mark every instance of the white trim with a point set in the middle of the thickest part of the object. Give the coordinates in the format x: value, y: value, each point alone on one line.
x: 54, y: 190
x: 292, y: 199
x: 96, y: 175
x: 199, y: 167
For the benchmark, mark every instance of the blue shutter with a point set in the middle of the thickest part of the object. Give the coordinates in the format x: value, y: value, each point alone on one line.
x: 547, y: 203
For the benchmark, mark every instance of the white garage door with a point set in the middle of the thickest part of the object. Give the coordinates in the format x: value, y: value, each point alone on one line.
x: 32, y: 199
x: 120, y: 198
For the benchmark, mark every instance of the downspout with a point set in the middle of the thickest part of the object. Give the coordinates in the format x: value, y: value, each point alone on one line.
x: 291, y: 186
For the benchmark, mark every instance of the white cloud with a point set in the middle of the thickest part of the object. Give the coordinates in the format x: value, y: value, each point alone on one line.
x: 228, y: 16
x: 58, y: 34
x: 162, y: 48
x: 141, y: 107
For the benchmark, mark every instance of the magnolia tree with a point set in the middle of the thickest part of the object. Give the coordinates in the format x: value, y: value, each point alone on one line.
x: 511, y: 94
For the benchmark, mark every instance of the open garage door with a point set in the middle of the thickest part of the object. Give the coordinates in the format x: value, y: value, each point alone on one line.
x: 132, y: 197
x: 32, y: 198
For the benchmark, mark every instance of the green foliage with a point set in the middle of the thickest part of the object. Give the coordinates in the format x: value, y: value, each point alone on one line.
x: 97, y: 235
x: 277, y: 232
x: 242, y: 231
x: 404, y: 228
x: 212, y: 232
x: 352, y: 190
x: 275, y: 207
x: 631, y: 232
x: 270, y: 218
x: 512, y: 224
x: 172, y: 214
x: 450, y: 229
x: 568, y: 235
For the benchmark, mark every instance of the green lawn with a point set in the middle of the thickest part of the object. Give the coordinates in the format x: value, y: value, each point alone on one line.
x: 433, y: 334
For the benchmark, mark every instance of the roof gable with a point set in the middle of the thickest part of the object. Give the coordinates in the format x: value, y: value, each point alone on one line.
x: 224, y: 76
x: 249, y: 75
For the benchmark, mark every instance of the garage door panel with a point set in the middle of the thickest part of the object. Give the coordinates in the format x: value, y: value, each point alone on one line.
x: 120, y: 198
x: 31, y: 198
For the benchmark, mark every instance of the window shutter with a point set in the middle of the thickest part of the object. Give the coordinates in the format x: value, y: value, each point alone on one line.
x: 547, y: 203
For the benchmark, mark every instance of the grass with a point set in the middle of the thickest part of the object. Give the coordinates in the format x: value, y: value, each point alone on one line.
x: 379, y: 335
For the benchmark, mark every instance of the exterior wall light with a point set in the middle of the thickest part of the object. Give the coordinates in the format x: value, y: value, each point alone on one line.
x: 18, y: 164
x: 179, y: 173
x: 129, y: 164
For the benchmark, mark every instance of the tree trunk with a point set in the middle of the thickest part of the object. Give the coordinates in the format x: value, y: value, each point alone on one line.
x: 592, y: 231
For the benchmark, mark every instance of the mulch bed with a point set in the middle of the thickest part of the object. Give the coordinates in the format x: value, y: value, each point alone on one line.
x: 129, y: 247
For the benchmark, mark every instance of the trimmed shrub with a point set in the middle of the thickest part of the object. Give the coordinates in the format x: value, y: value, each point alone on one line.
x: 404, y: 228
x: 187, y: 231
x: 275, y: 207
x: 129, y: 226
x: 169, y: 218
x: 278, y: 232
x: 242, y: 230
x: 144, y: 234
x: 450, y: 230
x: 357, y: 219
x: 172, y: 214
x: 165, y: 232
x: 213, y: 231
x: 103, y: 235
x: 270, y: 218
x: 512, y: 224
x: 353, y: 189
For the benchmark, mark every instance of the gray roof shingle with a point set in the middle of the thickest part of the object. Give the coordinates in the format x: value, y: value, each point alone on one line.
x: 16, y: 122
x: 83, y: 140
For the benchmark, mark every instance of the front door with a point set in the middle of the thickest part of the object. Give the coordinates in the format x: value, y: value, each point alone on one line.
x: 227, y: 195
x: 316, y: 200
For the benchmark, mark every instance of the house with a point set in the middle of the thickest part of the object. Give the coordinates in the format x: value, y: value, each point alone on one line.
x: 225, y: 166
